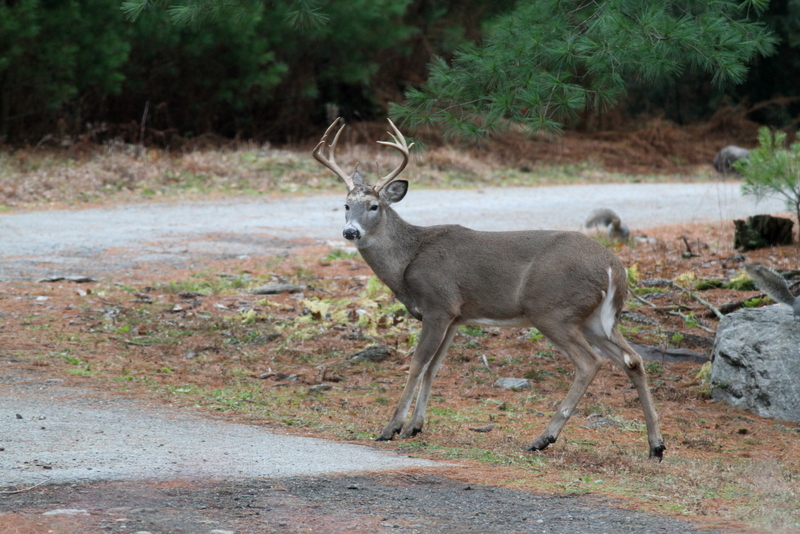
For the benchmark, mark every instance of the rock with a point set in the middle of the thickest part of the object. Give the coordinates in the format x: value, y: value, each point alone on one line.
x: 274, y: 289
x: 484, y: 428
x: 656, y: 282
x: 319, y: 387
x: 513, y: 383
x: 638, y: 318
x: 729, y: 155
x: 373, y: 353
x: 664, y: 354
x: 756, y: 362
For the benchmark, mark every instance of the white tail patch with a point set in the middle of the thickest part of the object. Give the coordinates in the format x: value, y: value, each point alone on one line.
x: 602, y: 320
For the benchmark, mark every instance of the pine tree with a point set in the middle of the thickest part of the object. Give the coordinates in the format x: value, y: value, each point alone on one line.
x: 550, y: 60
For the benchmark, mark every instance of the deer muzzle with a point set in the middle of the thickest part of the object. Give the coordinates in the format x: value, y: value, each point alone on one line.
x: 351, y: 233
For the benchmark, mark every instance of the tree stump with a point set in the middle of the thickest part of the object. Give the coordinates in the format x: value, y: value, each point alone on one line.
x: 761, y: 231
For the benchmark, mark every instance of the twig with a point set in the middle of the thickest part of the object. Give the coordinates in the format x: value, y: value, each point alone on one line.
x: 144, y: 121
x: 686, y: 242
x: 661, y: 308
x: 686, y: 319
x: 700, y: 300
x: 674, y: 312
x: 643, y: 301
x: 21, y: 490
x: 729, y: 307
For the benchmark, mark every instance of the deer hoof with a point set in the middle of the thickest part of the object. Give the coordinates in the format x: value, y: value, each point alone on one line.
x: 541, y: 443
x: 387, y: 434
x: 410, y: 433
x: 657, y: 452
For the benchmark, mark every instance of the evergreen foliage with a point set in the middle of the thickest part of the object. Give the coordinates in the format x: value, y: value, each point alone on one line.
x: 548, y: 61
x: 57, y: 53
x: 773, y: 170
x: 268, y: 69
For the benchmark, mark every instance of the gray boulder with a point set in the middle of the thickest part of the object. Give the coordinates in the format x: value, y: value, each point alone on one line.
x: 729, y: 155
x: 756, y: 362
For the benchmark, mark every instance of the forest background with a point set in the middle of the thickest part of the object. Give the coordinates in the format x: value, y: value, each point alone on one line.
x: 87, y: 69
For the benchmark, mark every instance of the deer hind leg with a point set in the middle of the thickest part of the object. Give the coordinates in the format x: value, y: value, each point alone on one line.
x: 413, y: 426
x: 587, y: 362
x: 433, y: 339
x: 621, y: 353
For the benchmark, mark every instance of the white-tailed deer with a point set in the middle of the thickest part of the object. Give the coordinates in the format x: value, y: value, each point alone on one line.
x: 565, y: 284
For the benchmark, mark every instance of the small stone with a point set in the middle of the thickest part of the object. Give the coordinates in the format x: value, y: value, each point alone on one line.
x: 513, y: 383
x: 656, y: 282
x: 190, y: 294
x: 66, y: 511
x: 484, y: 428
x: 374, y: 353
x: 319, y: 387
x: 274, y: 289
x: 19, y: 416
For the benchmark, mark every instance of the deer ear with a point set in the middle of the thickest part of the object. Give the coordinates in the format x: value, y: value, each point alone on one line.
x: 395, y: 191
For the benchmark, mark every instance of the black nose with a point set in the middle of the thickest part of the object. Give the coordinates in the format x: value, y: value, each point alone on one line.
x: 351, y: 234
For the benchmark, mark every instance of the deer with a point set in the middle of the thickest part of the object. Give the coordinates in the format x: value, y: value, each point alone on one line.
x: 565, y: 284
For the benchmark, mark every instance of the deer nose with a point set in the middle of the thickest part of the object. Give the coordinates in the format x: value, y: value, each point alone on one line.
x: 351, y: 233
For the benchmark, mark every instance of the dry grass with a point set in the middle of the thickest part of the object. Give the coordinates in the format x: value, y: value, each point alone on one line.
x: 31, y: 178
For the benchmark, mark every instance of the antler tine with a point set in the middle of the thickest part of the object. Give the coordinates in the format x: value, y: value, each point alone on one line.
x: 330, y: 161
x: 399, y: 143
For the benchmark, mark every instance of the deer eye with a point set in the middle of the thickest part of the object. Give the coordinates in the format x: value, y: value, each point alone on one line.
x: 374, y: 207
x: 346, y: 207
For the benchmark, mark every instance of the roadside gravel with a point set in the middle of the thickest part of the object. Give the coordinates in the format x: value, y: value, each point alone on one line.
x: 121, y: 238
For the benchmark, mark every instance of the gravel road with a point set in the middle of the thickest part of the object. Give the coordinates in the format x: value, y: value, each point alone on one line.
x: 111, y: 464
x: 121, y: 238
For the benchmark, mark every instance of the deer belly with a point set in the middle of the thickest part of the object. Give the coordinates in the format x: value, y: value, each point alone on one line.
x: 514, y: 322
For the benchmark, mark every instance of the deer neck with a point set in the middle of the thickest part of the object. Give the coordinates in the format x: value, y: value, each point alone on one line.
x: 390, y: 248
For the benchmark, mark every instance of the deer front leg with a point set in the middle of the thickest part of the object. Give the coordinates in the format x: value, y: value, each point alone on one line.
x: 432, y: 337
x: 587, y: 364
x: 413, y: 426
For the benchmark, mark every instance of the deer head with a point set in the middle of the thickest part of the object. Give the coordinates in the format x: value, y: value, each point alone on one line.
x: 366, y: 205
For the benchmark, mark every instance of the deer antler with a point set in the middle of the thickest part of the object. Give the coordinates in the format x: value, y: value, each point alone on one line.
x: 330, y: 161
x: 399, y: 143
